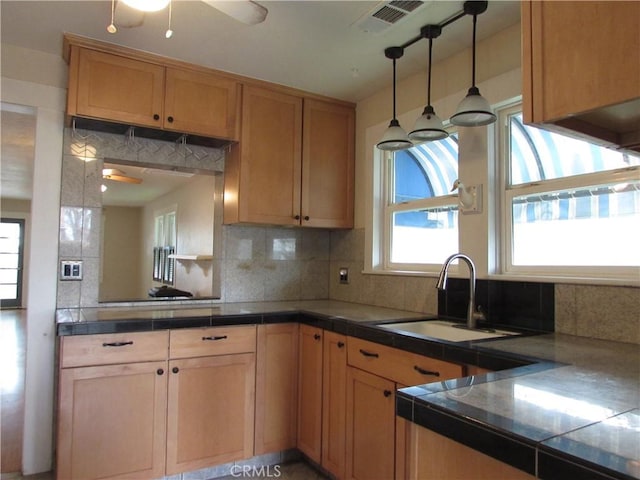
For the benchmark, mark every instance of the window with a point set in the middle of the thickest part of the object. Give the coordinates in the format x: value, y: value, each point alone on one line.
x: 420, y: 213
x: 164, y: 245
x: 571, y: 208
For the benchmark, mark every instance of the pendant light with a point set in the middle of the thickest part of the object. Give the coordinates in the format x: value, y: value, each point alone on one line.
x: 147, y: 5
x: 394, y: 138
x: 429, y: 127
x: 473, y: 110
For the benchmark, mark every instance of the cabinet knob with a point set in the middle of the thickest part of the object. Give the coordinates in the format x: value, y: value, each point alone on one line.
x: 340, y: 344
x: 317, y: 336
x: 306, y: 217
x: 160, y: 371
x: 170, y: 119
x: 297, y: 217
x: 175, y: 369
x: 156, y: 117
x: 387, y: 393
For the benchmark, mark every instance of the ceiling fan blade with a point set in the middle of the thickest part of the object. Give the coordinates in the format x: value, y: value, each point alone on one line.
x: 127, y: 17
x: 122, y: 178
x: 245, y: 11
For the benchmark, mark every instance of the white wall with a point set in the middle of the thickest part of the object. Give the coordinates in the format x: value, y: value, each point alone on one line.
x: 24, y: 82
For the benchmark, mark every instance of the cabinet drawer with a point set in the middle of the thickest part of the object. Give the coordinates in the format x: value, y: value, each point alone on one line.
x: 405, y: 368
x: 200, y: 342
x: 112, y: 348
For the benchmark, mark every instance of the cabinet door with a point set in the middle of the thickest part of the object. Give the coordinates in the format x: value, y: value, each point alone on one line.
x: 112, y: 421
x: 200, y: 103
x: 276, y: 387
x: 431, y: 455
x: 578, y: 56
x: 116, y: 88
x: 210, y: 411
x: 334, y: 403
x: 310, y: 393
x: 327, y: 165
x: 262, y: 181
x: 371, y: 421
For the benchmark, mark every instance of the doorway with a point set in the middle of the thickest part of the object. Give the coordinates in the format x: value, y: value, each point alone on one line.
x: 11, y: 261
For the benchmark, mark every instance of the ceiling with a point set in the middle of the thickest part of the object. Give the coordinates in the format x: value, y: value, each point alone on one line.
x: 316, y: 46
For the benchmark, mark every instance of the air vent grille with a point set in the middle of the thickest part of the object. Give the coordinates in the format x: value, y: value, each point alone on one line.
x: 388, y: 14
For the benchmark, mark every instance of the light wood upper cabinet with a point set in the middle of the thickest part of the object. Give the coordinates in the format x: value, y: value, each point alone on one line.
x: 276, y: 387
x: 262, y: 173
x: 327, y: 165
x: 310, y: 392
x: 116, y: 88
x: 581, y: 71
x: 294, y: 164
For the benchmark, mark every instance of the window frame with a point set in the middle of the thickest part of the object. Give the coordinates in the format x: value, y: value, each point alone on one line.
x: 506, y: 194
x: 388, y: 209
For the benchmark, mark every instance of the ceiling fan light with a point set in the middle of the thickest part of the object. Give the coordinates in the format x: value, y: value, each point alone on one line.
x: 428, y: 127
x: 394, y: 138
x: 147, y: 5
x: 473, y: 111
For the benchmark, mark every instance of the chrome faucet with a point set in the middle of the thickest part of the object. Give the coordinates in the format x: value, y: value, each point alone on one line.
x: 472, y: 315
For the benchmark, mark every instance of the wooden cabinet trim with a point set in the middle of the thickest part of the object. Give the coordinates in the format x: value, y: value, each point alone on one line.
x: 201, y: 342
x: 113, y: 348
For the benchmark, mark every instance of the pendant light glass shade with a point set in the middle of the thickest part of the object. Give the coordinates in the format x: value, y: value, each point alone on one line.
x: 428, y: 127
x: 473, y: 111
x: 394, y: 138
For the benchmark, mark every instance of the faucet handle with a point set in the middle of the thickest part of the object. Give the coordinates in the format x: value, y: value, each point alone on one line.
x: 480, y: 314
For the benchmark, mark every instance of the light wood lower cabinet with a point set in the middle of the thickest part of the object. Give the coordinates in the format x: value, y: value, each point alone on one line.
x: 370, y: 426
x: 276, y: 387
x: 112, y: 406
x: 210, y: 411
x: 112, y: 421
x: 334, y: 398
x: 310, y: 393
x: 434, y: 456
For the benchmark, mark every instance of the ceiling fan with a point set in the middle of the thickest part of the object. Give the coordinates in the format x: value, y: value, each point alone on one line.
x: 130, y: 13
x: 118, y: 175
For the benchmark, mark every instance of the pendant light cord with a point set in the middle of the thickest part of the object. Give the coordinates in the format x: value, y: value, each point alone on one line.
x: 473, y: 54
x: 394, y: 88
x: 429, y: 73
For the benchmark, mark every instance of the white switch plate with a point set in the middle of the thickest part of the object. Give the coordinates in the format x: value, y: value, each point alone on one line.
x: 71, y: 270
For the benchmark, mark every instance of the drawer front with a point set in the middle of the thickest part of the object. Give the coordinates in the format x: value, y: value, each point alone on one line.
x: 113, y: 348
x: 405, y: 368
x: 201, y: 342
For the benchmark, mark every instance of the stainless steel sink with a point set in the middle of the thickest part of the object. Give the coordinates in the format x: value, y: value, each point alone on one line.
x: 446, y: 330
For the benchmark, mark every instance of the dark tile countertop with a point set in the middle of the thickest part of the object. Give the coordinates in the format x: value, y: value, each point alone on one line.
x: 558, y: 406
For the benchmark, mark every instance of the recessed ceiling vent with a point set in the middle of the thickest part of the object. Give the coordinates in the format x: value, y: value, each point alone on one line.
x: 387, y: 14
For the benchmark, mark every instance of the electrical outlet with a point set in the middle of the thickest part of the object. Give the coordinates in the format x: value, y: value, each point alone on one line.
x: 71, y: 270
x: 344, y: 275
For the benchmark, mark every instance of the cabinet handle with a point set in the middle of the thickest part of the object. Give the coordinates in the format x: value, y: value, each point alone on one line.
x: 422, y: 371
x: 170, y: 119
x: 387, y: 393
x: 369, y: 354
x: 156, y: 117
x: 340, y: 344
x: 117, y: 344
x: 175, y: 369
x: 317, y: 336
x: 160, y: 371
x: 214, y: 338
x: 306, y: 217
x: 297, y: 217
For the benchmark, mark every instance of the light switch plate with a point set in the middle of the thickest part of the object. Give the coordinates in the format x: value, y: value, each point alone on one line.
x: 71, y: 270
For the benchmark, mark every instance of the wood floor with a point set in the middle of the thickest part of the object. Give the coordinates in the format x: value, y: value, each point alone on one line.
x: 12, y: 371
